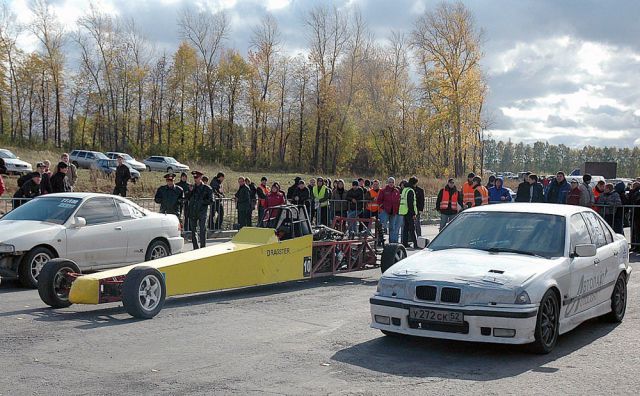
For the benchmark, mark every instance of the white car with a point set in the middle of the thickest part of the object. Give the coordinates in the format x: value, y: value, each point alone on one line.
x: 132, y: 162
x: 14, y: 164
x: 513, y: 274
x: 97, y: 231
x: 164, y: 164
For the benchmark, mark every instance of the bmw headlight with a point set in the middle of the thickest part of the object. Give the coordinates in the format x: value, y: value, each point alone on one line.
x: 5, y: 248
x: 523, y: 298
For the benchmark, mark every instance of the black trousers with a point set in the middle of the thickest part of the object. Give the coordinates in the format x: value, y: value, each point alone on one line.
x: 199, y: 230
x: 409, y: 231
x: 219, y: 209
x: 120, y: 190
x: 244, y: 218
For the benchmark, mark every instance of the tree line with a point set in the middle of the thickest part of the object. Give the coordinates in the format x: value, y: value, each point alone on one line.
x: 545, y: 158
x: 408, y: 103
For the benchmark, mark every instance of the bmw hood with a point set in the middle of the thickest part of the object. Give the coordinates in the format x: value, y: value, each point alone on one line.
x: 27, y: 233
x: 472, y: 266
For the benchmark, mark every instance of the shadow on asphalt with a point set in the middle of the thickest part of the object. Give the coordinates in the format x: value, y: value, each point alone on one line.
x: 425, y: 357
x: 103, y: 316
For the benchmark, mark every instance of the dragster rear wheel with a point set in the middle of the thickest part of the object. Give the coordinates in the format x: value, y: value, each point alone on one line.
x: 53, y: 284
x: 143, y: 292
x: 391, y: 254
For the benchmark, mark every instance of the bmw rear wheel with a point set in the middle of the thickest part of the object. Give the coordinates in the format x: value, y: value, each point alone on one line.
x: 618, y: 301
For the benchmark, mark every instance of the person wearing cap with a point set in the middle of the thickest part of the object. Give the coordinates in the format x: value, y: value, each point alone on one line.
x: 302, y: 196
x: 59, y: 181
x: 29, y: 190
x: 321, y: 196
x: 262, y: 191
x: 468, y: 191
x: 355, y: 197
x: 72, y: 173
x: 408, y: 209
x: 217, y: 209
x: 573, y: 197
x: 169, y: 196
x: 122, y: 177
x: 480, y: 193
x: 587, y: 199
x: 184, y: 185
x: 45, y: 184
x: 292, y: 189
x: 199, y: 197
x: 389, y: 204
x: 243, y: 203
x: 449, y: 203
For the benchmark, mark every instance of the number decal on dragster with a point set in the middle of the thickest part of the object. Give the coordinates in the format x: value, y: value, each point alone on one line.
x: 306, y: 267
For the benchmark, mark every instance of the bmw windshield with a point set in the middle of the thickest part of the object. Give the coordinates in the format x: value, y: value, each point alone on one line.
x: 533, y: 234
x: 48, y: 209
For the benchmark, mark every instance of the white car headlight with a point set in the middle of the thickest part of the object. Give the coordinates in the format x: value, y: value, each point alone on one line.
x: 523, y: 298
x: 5, y: 248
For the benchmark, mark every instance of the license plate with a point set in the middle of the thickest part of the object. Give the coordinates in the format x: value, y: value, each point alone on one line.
x: 436, y: 315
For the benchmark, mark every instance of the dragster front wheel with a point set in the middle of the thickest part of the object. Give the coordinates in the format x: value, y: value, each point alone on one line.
x: 53, y: 283
x: 143, y: 292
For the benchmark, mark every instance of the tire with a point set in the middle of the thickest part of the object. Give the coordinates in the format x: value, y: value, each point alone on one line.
x: 31, y: 265
x: 618, y: 301
x: 391, y: 254
x: 148, y: 168
x: 53, y: 287
x: 157, y: 249
x: 546, y: 332
x: 143, y: 292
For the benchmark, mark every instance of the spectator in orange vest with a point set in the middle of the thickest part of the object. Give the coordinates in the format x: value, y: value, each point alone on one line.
x: 480, y: 193
x: 468, y: 191
x: 449, y: 203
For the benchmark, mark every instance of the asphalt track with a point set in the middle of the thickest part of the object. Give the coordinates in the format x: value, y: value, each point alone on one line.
x: 307, y: 337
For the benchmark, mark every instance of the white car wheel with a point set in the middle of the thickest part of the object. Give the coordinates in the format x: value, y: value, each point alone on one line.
x: 32, y: 264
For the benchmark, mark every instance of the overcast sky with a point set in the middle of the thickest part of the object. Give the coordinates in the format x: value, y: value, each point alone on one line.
x: 561, y: 71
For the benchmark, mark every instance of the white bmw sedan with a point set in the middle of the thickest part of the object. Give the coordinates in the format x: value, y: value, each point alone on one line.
x: 514, y: 274
x: 97, y: 231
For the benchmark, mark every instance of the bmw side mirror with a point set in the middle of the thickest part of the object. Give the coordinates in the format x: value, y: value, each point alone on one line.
x: 586, y: 250
x: 79, y: 222
x: 423, y: 242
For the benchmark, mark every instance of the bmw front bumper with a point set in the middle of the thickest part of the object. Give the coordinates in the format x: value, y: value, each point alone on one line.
x: 481, y: 324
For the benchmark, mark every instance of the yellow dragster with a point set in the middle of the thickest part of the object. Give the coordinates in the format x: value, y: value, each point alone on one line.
x: 283, y: 252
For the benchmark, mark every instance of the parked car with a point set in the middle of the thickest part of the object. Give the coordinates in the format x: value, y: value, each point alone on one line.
x: 541, y: 271
x: 137, y: 165
x: 13, y: 164
x: 97, y: 231
x: 164, y: 164
x: 86, y: 159
x: 108, y: 166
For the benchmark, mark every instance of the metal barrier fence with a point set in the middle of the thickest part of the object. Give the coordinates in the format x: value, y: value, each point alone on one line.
x: 223, y: 215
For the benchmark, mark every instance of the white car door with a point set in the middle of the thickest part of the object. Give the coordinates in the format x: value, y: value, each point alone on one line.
x: 612, y: 257
x: 604, y: 274
x: 103, y: 240
x: 582, y: 268
x: 140, y: 231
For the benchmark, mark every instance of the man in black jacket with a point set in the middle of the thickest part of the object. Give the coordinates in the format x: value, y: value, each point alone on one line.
x: 29, y: 190
x: 122, y: 178
x: 420, y: 204
x: 59, y: 183
x: 302, y: 196
x: 184, y: 185
x: 200, y: 196
x: 355, y: 197
x: 530, y: 191
x: 292, y: 189
x: 217, y: 207
x: 243, y: 203
x: 169, y: 196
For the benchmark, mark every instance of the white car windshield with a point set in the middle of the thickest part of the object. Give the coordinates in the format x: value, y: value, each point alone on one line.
x: 7, y: 154
x: 101, y: 156
x: 48, y: 209
x: 532, y: 234
x: 127, y: 157
x: 171, y: 160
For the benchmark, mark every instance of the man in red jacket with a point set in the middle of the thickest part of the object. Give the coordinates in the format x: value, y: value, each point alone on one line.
x: 389, y: 203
